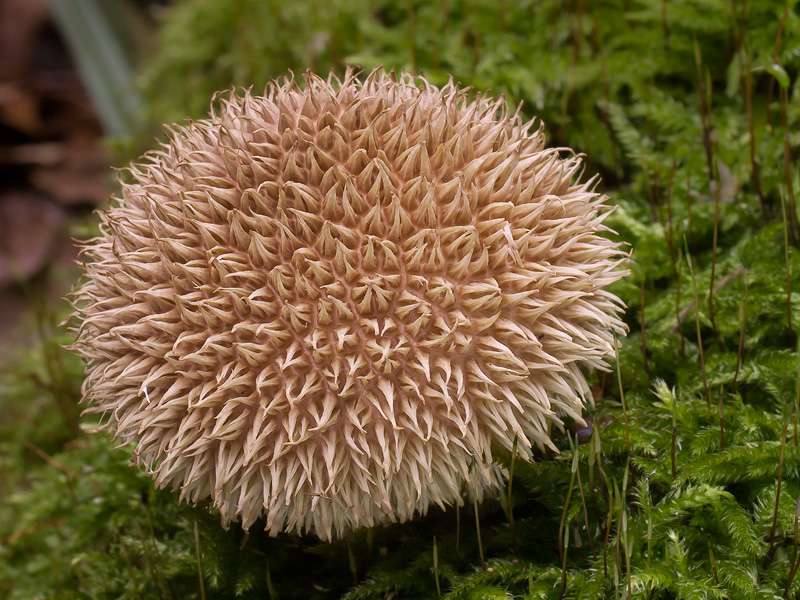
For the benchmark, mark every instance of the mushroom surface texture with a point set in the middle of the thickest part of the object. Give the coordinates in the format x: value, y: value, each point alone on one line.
x: 325, y: 306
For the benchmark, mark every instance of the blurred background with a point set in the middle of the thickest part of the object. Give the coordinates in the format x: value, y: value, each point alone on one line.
x: 66, y: 97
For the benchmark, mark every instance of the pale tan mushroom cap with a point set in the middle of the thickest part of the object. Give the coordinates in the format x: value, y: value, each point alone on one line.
x: 319, y: 305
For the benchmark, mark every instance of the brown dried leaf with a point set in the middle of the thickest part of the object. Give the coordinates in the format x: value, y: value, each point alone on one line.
x: 29, y: 225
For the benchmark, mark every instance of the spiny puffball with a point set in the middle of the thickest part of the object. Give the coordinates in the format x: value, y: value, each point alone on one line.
x: 324, y: 306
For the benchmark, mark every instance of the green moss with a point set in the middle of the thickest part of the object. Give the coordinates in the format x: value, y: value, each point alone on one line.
x: 650, y: 503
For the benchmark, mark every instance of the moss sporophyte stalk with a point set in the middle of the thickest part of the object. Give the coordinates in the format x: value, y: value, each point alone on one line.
x: 324, y: 306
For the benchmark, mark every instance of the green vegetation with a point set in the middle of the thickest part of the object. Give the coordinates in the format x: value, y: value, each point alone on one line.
x: 685, y: 487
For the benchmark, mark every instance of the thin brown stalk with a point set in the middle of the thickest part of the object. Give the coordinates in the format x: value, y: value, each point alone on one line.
x: 436, y: 568
x: 659, y: 195
x: 149, y: 564
x: 699, y: 336
x: 791, y: 202
x: 628, y: 569
x: 774, y: 525
x: 721, y: 411
x: 458, y: 535
x: 578, y: 34
x: 671, y: 245
x: 411, y: 19
x: 746, y: 79
x: 714, y: 267
x: 435, y: 41
x: 153, y: 541
x: 563, y: 549
x: 622, y: 532
x: 52, y: 461
x: 58, y: 384
x: 742, y: 326
x: 478, y: 530
x: 607, y: 534
x: 16, y: 536
x: 673, y: 447
x: 595, y: 28
x: 563, y: 532
x: 796, y: 559
x: 796, y: 407
x: 555, y: 17
x: 509, y: 501
x: 351, y: 559
x: 585, y: 513
x: 617, y: 561
x: 755, y: 173
x: 651, y: 200
x: 717, y: 288
x: 705, y: 114
x: 471, y: 35
x: 713, y: 564
x: 788, y: 268
x: 643, y: 338
x: 595, y: 460
x: 689, y: 222
x: 622, y: 398
x: 776, y: 49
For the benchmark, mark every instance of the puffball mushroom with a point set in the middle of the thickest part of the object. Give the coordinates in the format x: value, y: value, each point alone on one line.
x: 325, y: 305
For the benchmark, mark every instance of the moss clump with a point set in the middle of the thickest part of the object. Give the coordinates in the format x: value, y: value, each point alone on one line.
x: 689, y: 489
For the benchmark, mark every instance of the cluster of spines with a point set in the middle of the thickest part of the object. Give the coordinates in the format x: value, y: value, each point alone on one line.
x: 326, y: 303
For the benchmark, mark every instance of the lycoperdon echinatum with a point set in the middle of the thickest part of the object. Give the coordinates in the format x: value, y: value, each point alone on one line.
x: 325, y: 305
